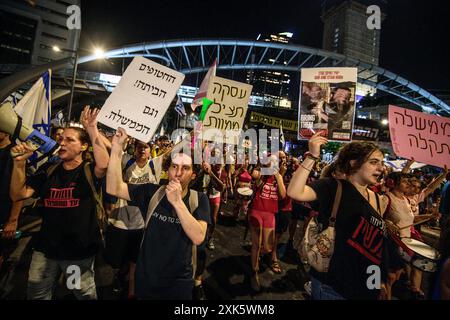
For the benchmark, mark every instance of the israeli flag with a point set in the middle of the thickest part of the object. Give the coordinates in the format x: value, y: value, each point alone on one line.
x: 35, y: 107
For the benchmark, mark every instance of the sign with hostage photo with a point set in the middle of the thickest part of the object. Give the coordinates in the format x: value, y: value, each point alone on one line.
x: 327, y: 103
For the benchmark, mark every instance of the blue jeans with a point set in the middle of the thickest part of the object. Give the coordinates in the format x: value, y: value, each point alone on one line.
x: 322, y: 291
x: 44, y: 274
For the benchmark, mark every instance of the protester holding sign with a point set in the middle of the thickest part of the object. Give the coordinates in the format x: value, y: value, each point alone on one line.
x: 360, y: 210
x: 172, y: 224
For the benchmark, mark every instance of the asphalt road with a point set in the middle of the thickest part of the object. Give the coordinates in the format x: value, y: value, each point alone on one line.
x: 227, y: 274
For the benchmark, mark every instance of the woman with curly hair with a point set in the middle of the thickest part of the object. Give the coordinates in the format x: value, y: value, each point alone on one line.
x: 360, y: 231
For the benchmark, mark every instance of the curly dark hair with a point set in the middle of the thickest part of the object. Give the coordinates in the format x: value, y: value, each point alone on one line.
x: 358, y: 151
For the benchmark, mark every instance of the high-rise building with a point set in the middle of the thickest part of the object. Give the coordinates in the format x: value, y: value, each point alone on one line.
x: 346, y: 32
x: 29, y: 30
x: 270, y: 85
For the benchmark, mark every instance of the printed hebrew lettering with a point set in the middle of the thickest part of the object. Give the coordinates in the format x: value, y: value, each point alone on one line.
x: 236, y: 92
x: 223, y: 92
x: 430, y: 124
x: 169, y: 77
x: 410, y: 118
x: 146, y: 128
x: 424, y: 140
x: 396, y: 119
x: 234, y: 110
x: 242, y: 96
x: 142, y: 67
x: 113, y: 113
x: 410, y: 143
x: 442, y: 148
x: 429, y: 146
x: 139, y: 127
x: 124, y: 121
x: 150, y: 70
x: 146, y: 110
x: 444, y: 128
x: 163, y: 92
x: 420, y: 126
x: 213, y: 108
x: 131, y: 126
x: 220, y: 87
x: 155, y: 93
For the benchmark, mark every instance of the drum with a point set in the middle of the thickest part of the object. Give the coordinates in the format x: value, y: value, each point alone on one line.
x: 419, y: 254
x: 245, y: 192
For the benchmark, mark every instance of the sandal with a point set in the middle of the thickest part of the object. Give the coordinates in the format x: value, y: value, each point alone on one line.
x: 275, y: 266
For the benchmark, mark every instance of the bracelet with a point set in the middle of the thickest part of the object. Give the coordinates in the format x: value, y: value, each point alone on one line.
x: 305, y: 167
x: 310, y: 155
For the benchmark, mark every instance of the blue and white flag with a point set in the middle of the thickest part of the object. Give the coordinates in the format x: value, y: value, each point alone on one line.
x: 282, y: 140
x: 35, y: 106
x: 179, y: 107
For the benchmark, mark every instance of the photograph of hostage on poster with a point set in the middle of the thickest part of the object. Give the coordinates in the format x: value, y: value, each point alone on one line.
x: 327, y: 103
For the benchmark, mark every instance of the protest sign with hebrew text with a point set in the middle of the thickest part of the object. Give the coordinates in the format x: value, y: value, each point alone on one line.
x: 141, y: 98
x: 424, y: 137
x: 227, y: 112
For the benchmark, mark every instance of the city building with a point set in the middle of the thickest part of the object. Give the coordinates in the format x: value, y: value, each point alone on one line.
x: 30, y: 29
x: 271, y: 88
x: 346, y: 32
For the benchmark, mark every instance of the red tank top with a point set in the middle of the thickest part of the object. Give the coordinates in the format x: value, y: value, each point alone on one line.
x: 266, y: 197
x: 245, y: 177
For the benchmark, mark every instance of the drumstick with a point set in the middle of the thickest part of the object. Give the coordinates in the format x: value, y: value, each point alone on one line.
x: 414, y: 224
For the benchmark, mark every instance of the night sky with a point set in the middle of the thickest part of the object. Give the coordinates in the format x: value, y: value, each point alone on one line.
x: 415, y: 37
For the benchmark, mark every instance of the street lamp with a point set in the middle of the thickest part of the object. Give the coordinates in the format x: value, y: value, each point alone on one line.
x: 99, y: 53
x: 384, y: 122
x: 75, y: 66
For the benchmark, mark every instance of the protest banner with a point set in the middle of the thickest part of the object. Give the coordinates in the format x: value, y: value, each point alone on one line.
x: 141, y: 98
x: 227, y: 112
x: 422, y: 136
x: 327, y: 102
x: 274, y: 122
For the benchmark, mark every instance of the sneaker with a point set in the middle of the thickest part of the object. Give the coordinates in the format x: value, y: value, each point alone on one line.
x: 211, y: 244
x: 254, y: 282
x: 198, y: 293
x: 307, y: 287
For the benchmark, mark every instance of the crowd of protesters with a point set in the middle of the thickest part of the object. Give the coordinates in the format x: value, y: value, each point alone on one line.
x: 151, y: 212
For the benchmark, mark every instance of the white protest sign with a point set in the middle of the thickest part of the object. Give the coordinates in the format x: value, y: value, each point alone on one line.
x: 227, y: 113
x: 141, y: 98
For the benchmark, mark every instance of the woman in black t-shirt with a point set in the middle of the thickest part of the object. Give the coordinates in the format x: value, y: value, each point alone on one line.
x: 70, y: 236
x: 356, y: 269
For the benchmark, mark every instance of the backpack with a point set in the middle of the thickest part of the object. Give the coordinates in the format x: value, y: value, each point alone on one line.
x: 99, y: 209
x: 317, y: 246
x: 155, y: 200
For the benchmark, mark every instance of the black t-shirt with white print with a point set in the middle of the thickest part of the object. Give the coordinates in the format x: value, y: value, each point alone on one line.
x: 166, y: 254
x: 70, y: 229
x: 360, y: 240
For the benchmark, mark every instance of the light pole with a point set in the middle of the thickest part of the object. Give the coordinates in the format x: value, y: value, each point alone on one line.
x: 72, y: 90
x: 98, y: 52
x: 74, y: 75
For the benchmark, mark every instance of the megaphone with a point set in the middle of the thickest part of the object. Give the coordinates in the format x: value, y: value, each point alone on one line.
x: 34, y: 139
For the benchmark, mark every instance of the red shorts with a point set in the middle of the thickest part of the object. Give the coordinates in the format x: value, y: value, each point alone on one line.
x: 215, y: 200
x: 261, y: 219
